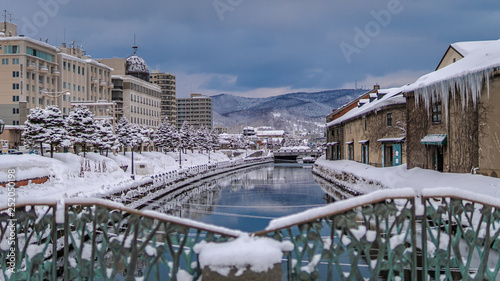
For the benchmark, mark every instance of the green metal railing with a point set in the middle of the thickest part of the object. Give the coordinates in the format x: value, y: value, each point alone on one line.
x: 99, y: 240
x: 387, y: 235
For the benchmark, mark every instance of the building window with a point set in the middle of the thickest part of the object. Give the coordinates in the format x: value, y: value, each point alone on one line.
x: 64, y: 65
x: 436, y: 112
x: 15, y: 86
x: 15, y: 111
x: 15, y: 74
x: 64, y: 85
x: 365, y: 124
x: 15, y: 122
x: 389, y: 119
x: 15, y: 61
x: 5, y: 61
x: 15, y: 98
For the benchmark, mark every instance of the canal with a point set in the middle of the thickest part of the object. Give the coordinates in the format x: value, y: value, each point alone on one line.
x: 248, y: 199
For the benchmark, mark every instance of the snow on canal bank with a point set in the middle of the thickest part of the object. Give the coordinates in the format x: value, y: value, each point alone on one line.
x: 362, y: 179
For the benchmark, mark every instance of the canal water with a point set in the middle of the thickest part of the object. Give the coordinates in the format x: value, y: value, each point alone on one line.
x: 248, y: 199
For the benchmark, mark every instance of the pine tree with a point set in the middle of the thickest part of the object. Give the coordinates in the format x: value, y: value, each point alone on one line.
x: 35, y: 131
x: 214, y: 140
x: 122, y: 133
x: 55, y: 129
x: 81, y: 127
x: 162, y: 135
x: 105, y: 137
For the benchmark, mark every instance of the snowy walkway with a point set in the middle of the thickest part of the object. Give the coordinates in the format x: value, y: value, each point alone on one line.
x: 95, y: 176
x: 361, y: 178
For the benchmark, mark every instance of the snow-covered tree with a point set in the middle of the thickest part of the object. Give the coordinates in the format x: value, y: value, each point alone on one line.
x: 105, y: 137
x: 163, y: 137
x: 185, y: 138
x: 146, y: 135
x: 135, y: 136
x: 34, y: 132
x: 214, y: 140
x: 55, y: 129
x: 123, y: 133
x: 46, y: 126
x: 81, y: 127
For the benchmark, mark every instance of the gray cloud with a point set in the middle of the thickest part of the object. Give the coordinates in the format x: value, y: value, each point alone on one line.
x: 258, y: 44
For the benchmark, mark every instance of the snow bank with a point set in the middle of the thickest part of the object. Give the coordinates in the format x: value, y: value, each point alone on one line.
x: 259, y: 254
x: 416, y: 178
x: 95, y: 175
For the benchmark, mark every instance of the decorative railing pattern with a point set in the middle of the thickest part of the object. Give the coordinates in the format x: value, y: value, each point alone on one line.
x: 389, y: 235
x: 98, y: 240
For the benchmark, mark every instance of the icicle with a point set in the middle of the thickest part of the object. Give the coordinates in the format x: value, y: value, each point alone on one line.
x: 468, y: 86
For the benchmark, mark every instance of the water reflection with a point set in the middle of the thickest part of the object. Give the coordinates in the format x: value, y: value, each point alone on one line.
x: 248, y: 199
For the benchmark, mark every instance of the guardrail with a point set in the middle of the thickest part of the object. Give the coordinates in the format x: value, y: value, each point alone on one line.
x: 443, y: 234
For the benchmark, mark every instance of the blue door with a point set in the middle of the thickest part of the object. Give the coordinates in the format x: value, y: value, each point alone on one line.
x: 396, y: 154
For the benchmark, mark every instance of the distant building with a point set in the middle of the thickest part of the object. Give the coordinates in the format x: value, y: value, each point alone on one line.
x: 195, y: 111
x: 136, y: 98
x: 37, y: 74
x: 168, y: 107
x: 220, y: 130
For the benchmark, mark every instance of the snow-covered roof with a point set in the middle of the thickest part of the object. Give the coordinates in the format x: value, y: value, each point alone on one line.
x: 22, y: 38
x: 136, y: 64
x: 465, y: 48
x: 270, y: 133
x: 397, y: 139
x: 392, y: 96
x: 363, y: 141
x: 465, y: 77
x: 435, y: 139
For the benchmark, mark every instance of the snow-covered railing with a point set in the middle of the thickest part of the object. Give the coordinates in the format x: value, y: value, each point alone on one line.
x: 97, y: 239
x: 160, y: 184
x: 444, y: 234
x: 441, y: 234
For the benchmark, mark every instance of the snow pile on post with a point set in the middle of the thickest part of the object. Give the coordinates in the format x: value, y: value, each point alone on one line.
x: 466, y: 77
x: 259, y: 254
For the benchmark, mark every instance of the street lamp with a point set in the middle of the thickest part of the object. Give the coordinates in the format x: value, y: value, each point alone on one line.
x: 55, y: 95
x: 2, y: 125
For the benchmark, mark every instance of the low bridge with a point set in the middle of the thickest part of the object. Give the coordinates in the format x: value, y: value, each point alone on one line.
x: 292, y: 155
x: 438, y: 234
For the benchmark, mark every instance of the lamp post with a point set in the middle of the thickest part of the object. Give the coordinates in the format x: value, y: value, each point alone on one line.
x: 2, y: 126
x: 55, y: 95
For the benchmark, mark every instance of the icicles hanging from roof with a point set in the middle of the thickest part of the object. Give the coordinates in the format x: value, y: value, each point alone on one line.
x: 468, y: 87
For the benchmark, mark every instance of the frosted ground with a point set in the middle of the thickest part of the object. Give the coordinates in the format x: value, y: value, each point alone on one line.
x: 94, y: 176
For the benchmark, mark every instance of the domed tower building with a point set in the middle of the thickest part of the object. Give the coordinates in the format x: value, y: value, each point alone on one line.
x: 137, y: 67
x: 136, y: 98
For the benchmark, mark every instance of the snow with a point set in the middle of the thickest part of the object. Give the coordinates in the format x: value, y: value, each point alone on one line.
x: 436, y: 138
x: 398, y: 139
x: 260, y: 254
x: 466, y: 77
x: 71, y: 175
x: 418, y: 179
x: 393, y: 96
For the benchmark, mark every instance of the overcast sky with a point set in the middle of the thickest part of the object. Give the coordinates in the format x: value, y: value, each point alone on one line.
x: 260, y: 48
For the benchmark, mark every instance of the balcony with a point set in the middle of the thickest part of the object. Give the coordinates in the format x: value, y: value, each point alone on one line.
x: 44, y: 69
x: 94, y: 81
x: 56, y: 72
x: 31, y: 66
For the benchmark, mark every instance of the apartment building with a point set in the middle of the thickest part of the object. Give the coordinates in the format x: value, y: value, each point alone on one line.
x: 195, y: 111
x: 135, y: 97
x: 168, y: 98
x: 36, y: 74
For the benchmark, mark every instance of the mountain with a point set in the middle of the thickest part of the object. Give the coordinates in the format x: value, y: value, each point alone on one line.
x: 295, y: 112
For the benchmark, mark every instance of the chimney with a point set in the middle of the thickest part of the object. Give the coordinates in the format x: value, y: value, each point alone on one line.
x: 376, y: 87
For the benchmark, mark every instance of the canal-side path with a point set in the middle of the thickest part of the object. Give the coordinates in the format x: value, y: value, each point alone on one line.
x: 98, y: 176
x: 360, y: 178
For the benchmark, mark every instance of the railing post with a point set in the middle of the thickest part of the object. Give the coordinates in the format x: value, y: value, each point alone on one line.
x: 54, y: 243
x: 66, y: 244
x: 424, y: 240
x: 414, y: 273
